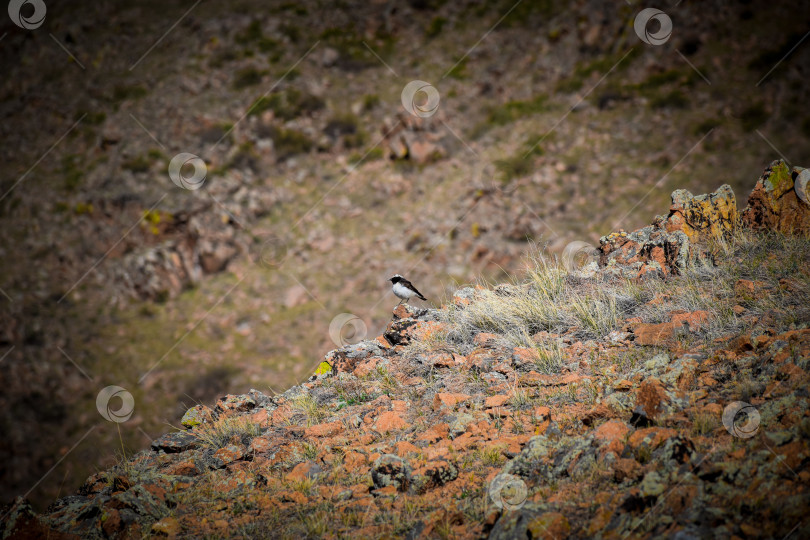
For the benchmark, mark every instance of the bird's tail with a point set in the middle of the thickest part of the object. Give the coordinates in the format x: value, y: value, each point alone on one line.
x: 422, y: 298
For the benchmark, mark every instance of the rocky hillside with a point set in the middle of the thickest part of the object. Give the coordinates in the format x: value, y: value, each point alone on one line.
x: 556, y: 122
x: 653, y: 387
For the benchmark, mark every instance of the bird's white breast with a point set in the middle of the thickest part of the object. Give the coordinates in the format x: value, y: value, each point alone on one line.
x: 403, y: 292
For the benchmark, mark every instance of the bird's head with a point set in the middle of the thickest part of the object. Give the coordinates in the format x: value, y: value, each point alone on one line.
x: 396, y: 278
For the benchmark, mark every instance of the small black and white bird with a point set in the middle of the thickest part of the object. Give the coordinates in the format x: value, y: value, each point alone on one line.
x: 404, y: 289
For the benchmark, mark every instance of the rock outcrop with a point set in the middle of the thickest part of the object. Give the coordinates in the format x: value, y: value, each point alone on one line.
x: 779, y: 201
x: 672, y: 243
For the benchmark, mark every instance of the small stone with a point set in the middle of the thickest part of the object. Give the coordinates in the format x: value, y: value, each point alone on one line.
x: 496, y: 401
x: 391, y: 470
x: 175, y: 442
x: 448, y: 400
x: 612, y: 430
x: 196, y: 415
x: 230, y: 453
x: 390, y: 421
x: 623, y: 386
x: 304, y: 470
x: 329, y: 429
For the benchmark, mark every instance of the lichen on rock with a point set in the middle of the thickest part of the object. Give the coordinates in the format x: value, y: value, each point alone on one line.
x: 675, y: 242
x: 777, y: 202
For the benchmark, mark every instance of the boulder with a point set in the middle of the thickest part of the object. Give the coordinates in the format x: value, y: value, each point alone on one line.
x: 674, y: 242
x: 779, y: 201
x: 391, y: 470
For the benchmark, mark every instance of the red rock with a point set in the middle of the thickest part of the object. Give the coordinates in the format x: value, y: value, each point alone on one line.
x: 436, y: 433
x: 626, y: 469
x: 262, y: 418
x: 542, y: 413
x: 436, y: 452
x: 354, y: 460
x: 549, y: 526
x: 110, y: 524
x: 442, y: 360
x: 748, y: 289
x: 232, y: 403
x: 366, y: 439
x: 182, y: 468
x: 444, y: 399
x: 301, y: 471
x: 280, y: 415
x: 696, y: 319
x: 329, y: 429
x: 365, y: 368
x: 387, y: 490
x: 390, y: 421
x: 481, y: 359
x: 612, y: 430
x: 650, y: 399
x: 230, y: 453
x: 672, y: 243
x: 774, y: 204
x: 525, y: 355
x: 434, y: 474
x: 261, y: 444
x: 484, y: 339
x: 466, y: 441
x: 422, y: 151
x: 399, y: 406
x: 654, y: 334
x: 496, y: 401
x: 403, y: 448
x: 623, y: 386
x: 652, y: 437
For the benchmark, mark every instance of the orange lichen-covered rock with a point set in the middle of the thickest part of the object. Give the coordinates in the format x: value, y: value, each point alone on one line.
x: 779, y: 201
x: 674, y: 242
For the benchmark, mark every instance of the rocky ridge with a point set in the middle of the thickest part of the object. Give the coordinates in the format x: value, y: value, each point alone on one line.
x: 637, y: 433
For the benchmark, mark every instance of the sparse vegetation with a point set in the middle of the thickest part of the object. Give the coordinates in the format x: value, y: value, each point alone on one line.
x: 288, y: 104
x: 221, y: 432
x: 308, y: 407
x: 249, y: 76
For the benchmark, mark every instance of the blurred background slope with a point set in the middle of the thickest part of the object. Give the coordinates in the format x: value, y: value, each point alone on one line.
x: 556, y: 123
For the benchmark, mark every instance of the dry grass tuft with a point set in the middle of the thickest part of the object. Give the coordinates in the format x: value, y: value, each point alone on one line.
x: 308, y: 406
x: 222, y: 432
